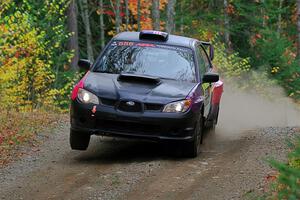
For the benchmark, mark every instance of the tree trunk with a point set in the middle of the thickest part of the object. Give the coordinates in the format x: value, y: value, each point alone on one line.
x: 181, y: 18
x: 73, y: 28
x: 156, y: 15
x: 279, y: 18
x: 264, y: 23
x: 170, y: 15
x: 85, y: 18
x: 102, y: 26
x: 118, y: 16
x: 139, y: 14
x: 126, y: 14
x: 227, y: 26
x: 211, y: 4
x: 298, y: 27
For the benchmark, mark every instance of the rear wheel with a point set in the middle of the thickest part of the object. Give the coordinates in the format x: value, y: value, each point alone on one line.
x: 191, y: 149
x: 79, y: 140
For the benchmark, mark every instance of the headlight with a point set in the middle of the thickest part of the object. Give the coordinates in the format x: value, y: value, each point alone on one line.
x: 177, y: 107
x: 87, y: 97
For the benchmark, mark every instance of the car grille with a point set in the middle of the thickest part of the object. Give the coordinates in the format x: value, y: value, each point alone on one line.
x: 138, y: 107
x: 153, y: 107
x: 135, y: 107
x: 108, y: 102
x: 129, y: 127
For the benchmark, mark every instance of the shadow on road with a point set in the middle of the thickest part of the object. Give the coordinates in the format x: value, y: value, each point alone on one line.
x: 117, y: 151
x: 114, y: 151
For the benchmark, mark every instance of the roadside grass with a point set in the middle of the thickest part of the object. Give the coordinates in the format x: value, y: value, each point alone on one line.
x: 17, y: 129
x: 286, y: 183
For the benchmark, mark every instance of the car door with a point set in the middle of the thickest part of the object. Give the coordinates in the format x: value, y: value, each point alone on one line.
x: 208, y: 68
x: 204, y: 67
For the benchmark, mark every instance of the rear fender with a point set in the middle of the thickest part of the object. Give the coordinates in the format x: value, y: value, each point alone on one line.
x: 217, y: 91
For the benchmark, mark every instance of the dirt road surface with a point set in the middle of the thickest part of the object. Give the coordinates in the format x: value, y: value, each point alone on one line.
x: 232, y: 164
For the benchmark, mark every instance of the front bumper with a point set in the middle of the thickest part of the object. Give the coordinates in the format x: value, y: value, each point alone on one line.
x: 108, y: 121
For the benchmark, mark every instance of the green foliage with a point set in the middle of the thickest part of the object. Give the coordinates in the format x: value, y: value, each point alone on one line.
x: 288, y: 181
x: 232, y: 66
x: 25, y: 75
x: 31, y: 39
x: 67, y: 81
x: 236, y: 69
x: 289, y: 78
x: 275, y: 56
x: 268, y: 38
x: 49, y: 16
x: 271, y: 49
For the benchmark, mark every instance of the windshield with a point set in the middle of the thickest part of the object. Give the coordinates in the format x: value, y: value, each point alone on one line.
x: 148, y: 59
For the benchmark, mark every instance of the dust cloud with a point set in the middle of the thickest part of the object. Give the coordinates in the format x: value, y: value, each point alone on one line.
x: 248, y: 110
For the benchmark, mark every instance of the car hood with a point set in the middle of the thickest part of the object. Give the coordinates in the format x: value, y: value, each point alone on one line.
x: 108, y: 86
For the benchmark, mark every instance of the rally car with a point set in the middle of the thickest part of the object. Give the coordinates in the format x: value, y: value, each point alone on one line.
x: 149, y: 85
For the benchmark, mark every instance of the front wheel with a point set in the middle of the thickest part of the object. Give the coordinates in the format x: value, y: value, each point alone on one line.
x: 191, y: 149
x: 79, y: 140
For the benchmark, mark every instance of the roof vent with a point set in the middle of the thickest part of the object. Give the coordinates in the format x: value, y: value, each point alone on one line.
x: 154, y: 35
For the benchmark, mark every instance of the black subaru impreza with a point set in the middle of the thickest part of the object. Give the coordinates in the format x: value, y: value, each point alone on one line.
x: 148, y: 85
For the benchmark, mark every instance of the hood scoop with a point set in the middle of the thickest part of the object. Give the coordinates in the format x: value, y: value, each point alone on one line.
x: 136, y: 78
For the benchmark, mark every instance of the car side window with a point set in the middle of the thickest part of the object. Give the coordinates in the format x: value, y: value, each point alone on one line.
x: 206, y: 60
x: 201, y: 61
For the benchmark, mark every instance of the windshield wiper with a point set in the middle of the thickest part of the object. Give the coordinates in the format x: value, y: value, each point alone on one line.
x: 173, y: 79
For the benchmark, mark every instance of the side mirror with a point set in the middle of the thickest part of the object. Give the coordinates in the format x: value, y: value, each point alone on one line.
x: 210, y: 77
x: 211, y: 52
x: 84, y: 64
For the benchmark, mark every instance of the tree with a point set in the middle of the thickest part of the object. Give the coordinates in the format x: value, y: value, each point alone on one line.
x: 85, y: 18
x: 181, y: 17
x: 156, y: 15
x: 139, y: 14
x: 279, y: 18
x: 263, y: 13
x: 102, y: 26
x: 73, y: 29
x: 298, y: 26
x: 227, y: 26
x: 126, y: 14
x: 30, y: 52
x: 118, y: 16
x: 170, y: 15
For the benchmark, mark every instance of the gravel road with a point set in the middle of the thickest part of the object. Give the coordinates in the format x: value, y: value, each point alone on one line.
x: 231, y: 166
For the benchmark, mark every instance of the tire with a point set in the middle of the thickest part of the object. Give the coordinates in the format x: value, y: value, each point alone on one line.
x: 191, y: 149
x: 79, y: 140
